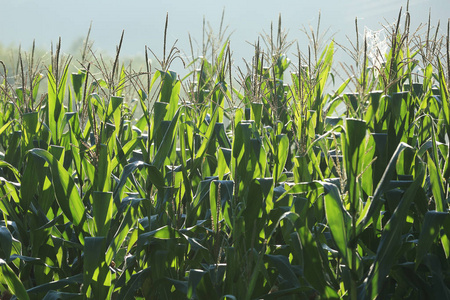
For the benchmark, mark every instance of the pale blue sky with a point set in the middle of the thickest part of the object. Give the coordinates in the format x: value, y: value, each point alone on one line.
x: 143, y: 21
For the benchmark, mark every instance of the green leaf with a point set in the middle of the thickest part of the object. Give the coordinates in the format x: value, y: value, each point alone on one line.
x: 96, y: 273
x: 58, y: 284
x: 136, y: 281
x: 163, y: 233
x: 160, y: 110
x: 55, y: 105
x: 437, y: 186
x: 154, y: 175
x: 195, y: 276
x: 444, y: 95
x: 241, y: 138
x: 339, y: 221
x: 315, y: 269
x: 354, y: 153
x: 129, y: 219
x: 114, y: 110
x: 5, y: 126
x: 5, y: 242
x: 66, y: 192
x: 390, y: 243
x: 77, y: 82
x: 34, y: 173
x: 439, y: 286
x: 12, y: 155
x: 167, y: 142
x: 281, y: 155
x: 432, y: 223
x: 102, y: 210
x: 383, y: 185
x: 281, y: 263
x: 123, y: 152
x: 12, y: 281
x: 30, y: 126
x: 170, y: 89
x: 102, y: 179
x: 55, y: 295
x: 208, y: 136
x: 221, y: 191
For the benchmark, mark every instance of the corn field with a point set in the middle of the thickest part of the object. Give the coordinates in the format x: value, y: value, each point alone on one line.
x: 262, y: 186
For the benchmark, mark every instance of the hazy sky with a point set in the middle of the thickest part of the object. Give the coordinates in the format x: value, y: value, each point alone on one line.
x: 143, y: 21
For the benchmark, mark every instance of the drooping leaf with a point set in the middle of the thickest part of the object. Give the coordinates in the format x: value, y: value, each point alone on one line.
x: 339, y: 221
x: 128, y: 291
x: 58, y: 284
x: 389, y: 244
x: 5, y: 242
x: 66, y: 191
x: 432, y: 223
x: 12, y: 281
x: 281, y: 263
x: 55, y: 295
